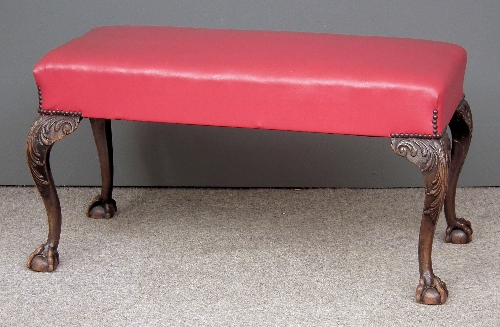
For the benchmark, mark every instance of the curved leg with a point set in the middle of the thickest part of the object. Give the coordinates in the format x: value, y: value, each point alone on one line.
x: 459, y: 230
x: 103, y: 206
x: 45, y: 131
x: 432, y: 157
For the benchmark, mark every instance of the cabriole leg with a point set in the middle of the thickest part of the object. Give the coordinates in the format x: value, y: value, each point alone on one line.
x: 103, y: 206
x: 45, y: 131
x: 432, y: 157
x: 459, y: 230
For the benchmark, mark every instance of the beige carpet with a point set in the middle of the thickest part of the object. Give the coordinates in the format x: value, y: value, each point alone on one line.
x: 246, y: 257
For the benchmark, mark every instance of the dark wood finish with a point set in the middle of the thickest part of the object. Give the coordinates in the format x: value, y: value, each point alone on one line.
x: 440, y: 171
x: 459, y: 230
x: 103, y: 206
x: 45, y: 131
x: 432, y: 157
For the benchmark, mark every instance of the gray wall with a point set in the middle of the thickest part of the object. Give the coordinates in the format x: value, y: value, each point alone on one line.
x: 169, y: 155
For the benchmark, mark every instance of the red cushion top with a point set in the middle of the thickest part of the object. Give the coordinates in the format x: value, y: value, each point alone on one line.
x: 310, y: 82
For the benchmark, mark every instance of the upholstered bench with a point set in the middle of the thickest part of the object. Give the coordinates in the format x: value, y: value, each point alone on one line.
x: 406, y: 90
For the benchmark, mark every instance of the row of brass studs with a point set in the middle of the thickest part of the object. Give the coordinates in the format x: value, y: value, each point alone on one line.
x: 394, y: 135
x: 422, y: 136
x: 60, y: 113
x: 434, y: 121
x: 53, y: 112
x: 39, y: 99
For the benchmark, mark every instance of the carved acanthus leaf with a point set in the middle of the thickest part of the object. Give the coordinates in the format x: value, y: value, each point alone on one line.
x: 43, y: 133
x: 432, y: 156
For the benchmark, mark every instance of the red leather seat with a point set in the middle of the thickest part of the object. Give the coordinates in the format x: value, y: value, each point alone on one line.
x: 312, y: 82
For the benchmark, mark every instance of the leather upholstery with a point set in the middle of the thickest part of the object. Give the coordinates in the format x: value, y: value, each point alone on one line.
x: 310, y: 82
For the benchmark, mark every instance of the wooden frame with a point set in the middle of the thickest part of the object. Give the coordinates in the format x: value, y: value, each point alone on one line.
x: 439, y: 167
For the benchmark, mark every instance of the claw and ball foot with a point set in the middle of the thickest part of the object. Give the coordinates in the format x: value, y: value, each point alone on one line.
x: 459, y: 232
x: 44, y: 259
x: 431, y: 290
x: 101, y: 209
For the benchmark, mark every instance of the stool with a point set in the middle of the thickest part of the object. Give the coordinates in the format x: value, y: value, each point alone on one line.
x: 406, y: 90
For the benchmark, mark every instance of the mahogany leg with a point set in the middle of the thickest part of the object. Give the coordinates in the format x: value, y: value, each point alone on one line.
x: 432, y: 157
x: 459, y: 230
x: 103, y: 206
x: 45, y: 131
